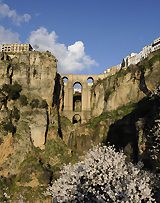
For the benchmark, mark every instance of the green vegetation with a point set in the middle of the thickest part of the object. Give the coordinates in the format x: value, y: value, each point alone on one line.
x: 27, y: 193
x: 22, y: 131
x: 32, y: 171
x: 38, y: 103
x: 55, y: 155
x: 15, y: 113
x: 123, y: 63
x: 12, y: 91
x: 113, y: 115
x: 121, y: 73
x: 48, y: 53
x: 65, y: 122
x: 42, y: 166
x: 8, y: 126
x: 29, y: 166
x: 43, y: 104
x: 141, y: 66
x: 108, y: 92
x: 34, y: 72
x: 1, y: 140
x: 5, y: 183
x: 23, y: 100
x: 57, y: 149
x: 16, y: 191
x: 34, y: 103
x: 148, y: 63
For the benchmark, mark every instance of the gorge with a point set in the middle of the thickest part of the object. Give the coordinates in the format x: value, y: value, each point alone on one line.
x: 41, y: 128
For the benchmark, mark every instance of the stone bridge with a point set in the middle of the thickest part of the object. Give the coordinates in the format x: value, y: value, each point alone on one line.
x: 77, y: 96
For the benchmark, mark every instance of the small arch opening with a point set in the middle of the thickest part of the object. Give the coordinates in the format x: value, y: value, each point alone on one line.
x: 76, y: 119
x: 90, y: 81
x: 65, y: 80
x: 77, y: 97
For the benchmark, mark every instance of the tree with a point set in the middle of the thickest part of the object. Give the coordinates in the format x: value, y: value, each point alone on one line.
x: 23, y: 100
x: 103, y: 176
x: 153, y: 130
x: 12, y: 90
x: 123, y: 63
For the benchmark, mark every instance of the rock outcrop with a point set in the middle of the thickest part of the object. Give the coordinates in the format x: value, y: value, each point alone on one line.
x: 126, y: 86
x: 34, y: 71
x: 27, y: 117
x: 30, y: 76
x: 122, y: 104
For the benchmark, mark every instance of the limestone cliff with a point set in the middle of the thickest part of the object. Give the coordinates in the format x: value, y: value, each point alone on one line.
x: 113, y: 98
x: 36, y: 140
x: 27, y: 86
x: 122, y: 105
x: 30, y: 147
x: 34, y: 71
x: 126, y: 86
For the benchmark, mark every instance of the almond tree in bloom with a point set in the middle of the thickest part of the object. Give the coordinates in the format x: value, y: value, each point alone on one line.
x: 153, y: 131
x: 103, y: 176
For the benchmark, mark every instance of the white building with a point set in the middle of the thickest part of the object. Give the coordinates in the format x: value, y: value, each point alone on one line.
x: 16, y: 47
x: 130, y: 59
x: 135, y: 58
x: 145, y: 52
x: 156, y: 44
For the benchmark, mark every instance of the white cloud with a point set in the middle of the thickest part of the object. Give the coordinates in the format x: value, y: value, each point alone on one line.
x: 7, y: 36
x: 70, y: 58
x: 5, y: 11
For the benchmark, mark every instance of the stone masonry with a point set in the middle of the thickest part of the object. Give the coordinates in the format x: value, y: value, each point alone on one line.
x: 68, y: 110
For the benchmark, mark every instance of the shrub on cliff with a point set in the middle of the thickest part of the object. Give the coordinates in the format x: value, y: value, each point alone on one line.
x: 103, y: 176
x: 23, y: 100
x: 15, y: 113
x: 12, y: 91
x: 43, y: 104
x: 8, y: 126
x: 34, y: 103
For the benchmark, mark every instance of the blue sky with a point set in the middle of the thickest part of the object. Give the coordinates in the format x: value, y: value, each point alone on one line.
x: 87, y: 36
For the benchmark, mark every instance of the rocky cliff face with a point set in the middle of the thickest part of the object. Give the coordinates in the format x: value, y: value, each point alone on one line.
x: 35, y: 139
x: 121, y: 108
x: 122, y: 105
x: 29, y: 123
x: 126, y: 86
x: 34, y: 71
x: 117, y: 97
x: 27, y: 86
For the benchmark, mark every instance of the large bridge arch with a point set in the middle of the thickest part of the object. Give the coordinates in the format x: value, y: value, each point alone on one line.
x: 70, y: 80
x: 77, y: 96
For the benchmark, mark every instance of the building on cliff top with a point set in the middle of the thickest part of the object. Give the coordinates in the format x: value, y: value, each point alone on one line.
x: 16, y: 47
x: 135, y: 58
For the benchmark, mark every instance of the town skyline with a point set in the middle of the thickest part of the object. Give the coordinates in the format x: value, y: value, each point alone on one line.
x: 131, y: 59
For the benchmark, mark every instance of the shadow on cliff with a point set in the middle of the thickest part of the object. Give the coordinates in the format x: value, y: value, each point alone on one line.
x: 125, y: 132
x: 56, y: 101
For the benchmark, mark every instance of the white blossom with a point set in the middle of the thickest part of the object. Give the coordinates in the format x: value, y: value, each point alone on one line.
x: 103, y: 176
